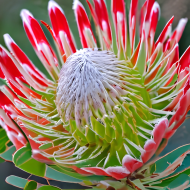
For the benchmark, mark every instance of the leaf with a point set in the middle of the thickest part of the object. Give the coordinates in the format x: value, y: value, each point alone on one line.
x: 1, y: 160
x: 184, y: 166
x: 16, y: 181
x: 94, y: 188
x: 23, y: 160
x: 141, y: 60
x: 165, y: 161
x: 3, y: 140
x: 45, y: 146
x: 179, y: 182
x: 98, y: 127
x: 138, y: 183
x: 8, y: 154
x: 48, y: 187
x: 169, y: 168
x: 53, y: 174
x: 83, y: 178
x: 30, y: 185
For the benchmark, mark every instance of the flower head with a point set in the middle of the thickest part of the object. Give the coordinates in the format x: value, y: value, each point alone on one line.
x: 109, y: 107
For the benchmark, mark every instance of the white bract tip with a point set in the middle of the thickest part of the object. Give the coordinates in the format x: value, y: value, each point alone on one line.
x: 77, y: 3
x: 52, y: 4
x: 99, y: 1
x: 24, y: 13
x: 120, y: 16
x: 155, y: 8
x: 7, y: 40
x: 180, y: 28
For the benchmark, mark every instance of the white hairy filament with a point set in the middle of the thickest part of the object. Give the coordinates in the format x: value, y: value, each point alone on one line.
x: 89, y: 83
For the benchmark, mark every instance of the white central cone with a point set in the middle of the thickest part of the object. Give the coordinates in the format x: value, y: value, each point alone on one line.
x: 89, y: 84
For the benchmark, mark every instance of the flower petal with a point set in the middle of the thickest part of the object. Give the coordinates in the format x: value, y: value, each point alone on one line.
x: 118, y: 172
x: 40, y: 43
x: 130, y: 163
x: 84, y: 25
x: 25, y: 62
x: 150, y: 4
x: 92, y: 11
x: 153, y: 24
x: 103, y: 21
x: 59, y: 23
x: 185, y: 59
x: 179, y: 30
x: 11, y: 72
x: 142, y: 16
x: 152, y: 145
x: 13, y: 132
x: 96, y: 171
x: 132, y: 23
x: 119, y: 18
x: 182, y: 109
x: 165, y: 32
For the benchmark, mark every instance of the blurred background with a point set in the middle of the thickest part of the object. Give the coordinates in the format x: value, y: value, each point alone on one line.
x: 11, y: 23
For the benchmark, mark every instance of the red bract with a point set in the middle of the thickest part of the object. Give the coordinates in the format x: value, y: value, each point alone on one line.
x: 85, y: 31
x: 8, y: 110
x: 12, y: 74
x: 59, y: 23
x: 39, y: 42
x: 132, y: 22
x: 25, y: 62
x: 163, y: 36
x: 119, y: 17
x: 101, y: 19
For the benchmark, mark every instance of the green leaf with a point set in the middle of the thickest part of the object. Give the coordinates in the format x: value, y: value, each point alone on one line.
x: 53, y: 174
x: 138, y: 183
x: 48, y: 187
x: 169, y: 168
x: 174, y: 182
x: 26, y: 101
x: 30, y: 185
x: 141, y: 60
x: 3, y: 139
x: 90, y: 135
x: 8, y: 154
x: 3, y: 82
x: 184, y: 166
x: 165, y: 161
x: 3, y: 149
x: 23, y: 160
x: 98, y: 127
x: 80, y: 137
x: 94, y: 188
x: 16, y: 181
x: 77, y: 175
x: 45, y: 146
x: 1, y: 160
x: 180, y: 181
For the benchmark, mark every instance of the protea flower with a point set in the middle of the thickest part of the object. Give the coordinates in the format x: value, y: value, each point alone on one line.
x: 106, y: 109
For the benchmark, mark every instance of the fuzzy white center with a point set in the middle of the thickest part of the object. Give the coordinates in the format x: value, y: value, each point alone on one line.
x: 89, y: 83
